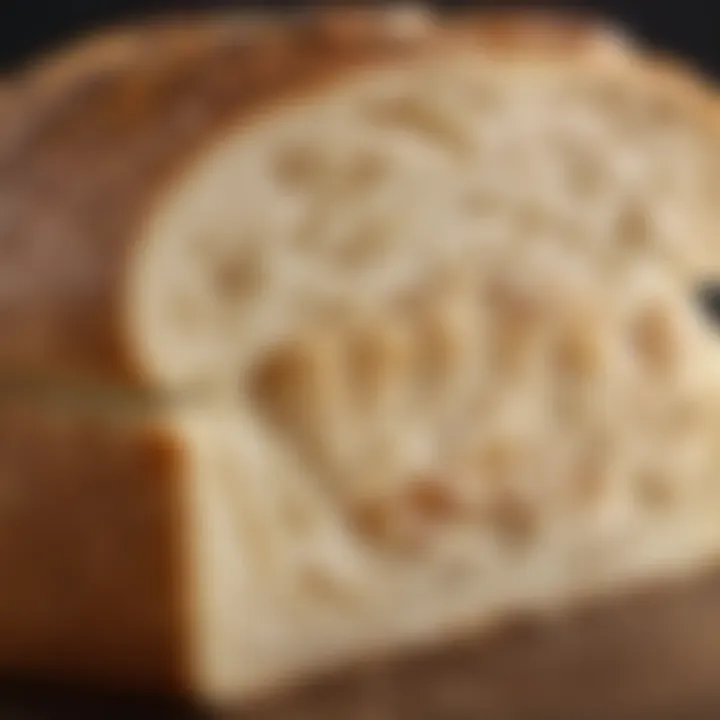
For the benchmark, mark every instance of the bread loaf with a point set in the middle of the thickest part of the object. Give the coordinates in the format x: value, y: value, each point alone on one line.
x: 323, y: 340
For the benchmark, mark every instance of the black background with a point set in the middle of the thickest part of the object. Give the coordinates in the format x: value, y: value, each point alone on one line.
x: 29, y: 26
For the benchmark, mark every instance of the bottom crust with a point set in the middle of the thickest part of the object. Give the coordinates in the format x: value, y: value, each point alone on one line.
x: 645, y: 655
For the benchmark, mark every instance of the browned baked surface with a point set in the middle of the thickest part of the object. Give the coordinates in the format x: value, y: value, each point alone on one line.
x: 95, y: 147
x: 90, y: 567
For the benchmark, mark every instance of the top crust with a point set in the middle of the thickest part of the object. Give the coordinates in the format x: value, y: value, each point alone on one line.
x: 105, y: 128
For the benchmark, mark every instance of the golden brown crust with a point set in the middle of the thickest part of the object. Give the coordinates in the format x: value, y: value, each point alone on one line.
x: 98, y: 144
x: 567, y: 35
x: 90, y: 562
x: 125, y: 47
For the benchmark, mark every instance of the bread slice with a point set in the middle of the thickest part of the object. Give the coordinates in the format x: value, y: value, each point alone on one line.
x: 348, y: 337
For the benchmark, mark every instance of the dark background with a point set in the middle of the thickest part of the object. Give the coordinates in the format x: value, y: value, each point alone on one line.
x: 29, y: 26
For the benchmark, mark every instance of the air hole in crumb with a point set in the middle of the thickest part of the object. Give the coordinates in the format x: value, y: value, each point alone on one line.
x: 583, y: 176
x: 654, y: 338
x: 290, y: 389
x: 371, y: 359
x: 298, y: 167
x: 513, y: 519
x: 498, y: 459
x: 321, y: 584
x: 381, y: 524
x: 427, y: 119
x: 633, y: 227
x: 653, y: 490
x: 363, y: 173
x: 578, y: 353
x: 238, y: 278
x: 409, y: 520
x: 431, y: 498
x: 479, y: 203
x: 363, y: 247
x: 589, y: 478
x: 279, y: 384
x: 533, y: 220
x: 517, y: 315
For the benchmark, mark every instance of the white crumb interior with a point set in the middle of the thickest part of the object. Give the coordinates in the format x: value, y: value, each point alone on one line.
x: 446, y: 320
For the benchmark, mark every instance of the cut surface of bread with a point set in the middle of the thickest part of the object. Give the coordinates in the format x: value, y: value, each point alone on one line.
x: 426, y: 329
